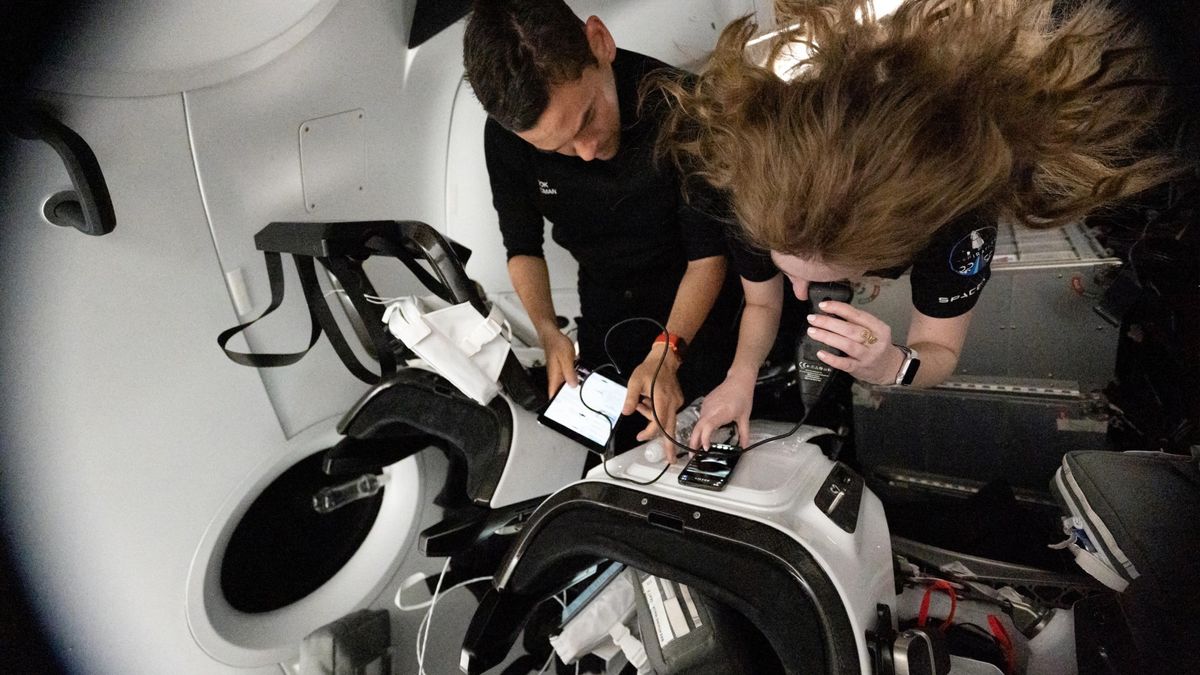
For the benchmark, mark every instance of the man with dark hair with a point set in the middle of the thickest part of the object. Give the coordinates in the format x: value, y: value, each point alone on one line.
x: 566, y: 140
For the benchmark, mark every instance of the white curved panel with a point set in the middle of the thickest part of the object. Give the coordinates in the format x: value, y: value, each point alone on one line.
x: 245, y: 135
x: 249, y: 640
x: 679, y: 33
x: 123, y: 427
x: 130, y: 48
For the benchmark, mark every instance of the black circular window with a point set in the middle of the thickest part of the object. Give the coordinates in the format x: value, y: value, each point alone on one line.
x: 282, y: 549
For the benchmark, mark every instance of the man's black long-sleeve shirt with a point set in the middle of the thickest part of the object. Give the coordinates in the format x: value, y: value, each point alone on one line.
x: 624, y: 220
x: 627, y: 224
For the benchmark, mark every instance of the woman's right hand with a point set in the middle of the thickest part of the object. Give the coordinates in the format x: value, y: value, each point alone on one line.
x: 731, y: 401
x: 560, y: 361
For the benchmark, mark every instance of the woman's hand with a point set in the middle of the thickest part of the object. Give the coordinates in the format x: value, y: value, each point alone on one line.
x: 866, y: 342
x: 731, y: 401
x: 560, y: 361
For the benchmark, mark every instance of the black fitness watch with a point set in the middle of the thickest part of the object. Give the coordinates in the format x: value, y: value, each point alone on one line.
x: 908, y: 369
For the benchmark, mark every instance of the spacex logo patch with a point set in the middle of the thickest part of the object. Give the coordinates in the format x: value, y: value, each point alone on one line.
x: 973, y: 251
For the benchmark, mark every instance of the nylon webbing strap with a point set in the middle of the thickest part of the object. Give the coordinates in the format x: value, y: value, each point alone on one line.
x: 275, y: 275
x: 357, y: 288
x: 319, y: 308
x: 385, y: 245
x: 320, y: 318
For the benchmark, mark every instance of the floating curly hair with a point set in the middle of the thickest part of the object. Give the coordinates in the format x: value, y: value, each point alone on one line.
x: 889, y: 128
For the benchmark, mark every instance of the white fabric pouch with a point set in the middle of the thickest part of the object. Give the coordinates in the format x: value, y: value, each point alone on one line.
x: 591, y: 627
x: 466, y: 348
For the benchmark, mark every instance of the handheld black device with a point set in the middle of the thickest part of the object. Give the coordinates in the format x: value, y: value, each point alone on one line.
x: 839, y: 291
x: 812, y: 372
x: 710, y: 469
x: 818, y: 293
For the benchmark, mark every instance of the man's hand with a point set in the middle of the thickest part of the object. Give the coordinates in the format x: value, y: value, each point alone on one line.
x: 731, y: 401
x: 560, y: 361
x: 866, y: 342
x: 668, y: 396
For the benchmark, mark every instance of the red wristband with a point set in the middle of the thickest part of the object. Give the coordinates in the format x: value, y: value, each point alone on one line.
x: 677, y: 344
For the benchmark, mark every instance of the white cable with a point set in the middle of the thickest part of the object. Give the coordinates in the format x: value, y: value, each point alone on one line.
x: 379, y: 300
x: 562, y: 601
x: 373, y: 299
x: 422, y: 643
x: 427, y: 620
x: 422, y: 605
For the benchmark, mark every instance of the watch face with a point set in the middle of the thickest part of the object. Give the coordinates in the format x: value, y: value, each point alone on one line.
x: 910, y: 373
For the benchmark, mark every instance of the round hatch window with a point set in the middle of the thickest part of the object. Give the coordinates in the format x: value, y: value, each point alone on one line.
x: 282, y: 549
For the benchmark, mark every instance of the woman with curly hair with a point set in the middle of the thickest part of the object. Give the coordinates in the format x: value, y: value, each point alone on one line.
x: 898, y: 142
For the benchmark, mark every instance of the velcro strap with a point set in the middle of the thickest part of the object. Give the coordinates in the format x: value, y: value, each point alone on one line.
x: 413, y: 328
x: 923, y: 612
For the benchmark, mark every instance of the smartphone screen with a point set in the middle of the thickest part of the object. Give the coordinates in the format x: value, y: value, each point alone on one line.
x: 710, y: 469
x: 567, y: 413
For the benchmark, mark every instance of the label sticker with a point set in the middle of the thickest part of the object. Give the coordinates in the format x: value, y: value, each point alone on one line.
x: 679, y: 624
x: 657, y: 612
x: 691, y: 605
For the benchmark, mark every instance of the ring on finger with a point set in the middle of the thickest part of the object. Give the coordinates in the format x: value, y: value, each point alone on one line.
x: 868, y: 338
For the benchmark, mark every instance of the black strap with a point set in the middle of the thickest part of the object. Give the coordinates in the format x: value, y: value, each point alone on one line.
x: 320, y: 319
x: 513, y: 378
x: 319, y: 309
x: 435, y: 285
x: 358, y: 287
x: 275, y: 275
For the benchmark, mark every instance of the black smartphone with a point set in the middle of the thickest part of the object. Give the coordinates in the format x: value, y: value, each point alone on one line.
x: 710, y: 469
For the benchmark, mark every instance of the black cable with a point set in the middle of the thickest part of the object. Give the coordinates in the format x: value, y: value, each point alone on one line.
x: 608, y: 445
x: 654, y: 409
x: 807, y: 409
x: 654, y: 379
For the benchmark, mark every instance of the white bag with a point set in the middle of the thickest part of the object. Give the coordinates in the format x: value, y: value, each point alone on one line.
x: 592, y: 626
x: 466, y: 348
